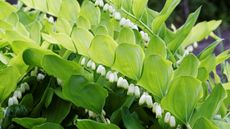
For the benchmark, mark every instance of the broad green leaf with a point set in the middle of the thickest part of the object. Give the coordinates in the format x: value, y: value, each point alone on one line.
x: 82, y: 39
x: 200, y: 31
x: 63, y: 26
x: 188, y: 67
x: 93, y: 15
x: 212, y: 103
x: 126, y: 35
x: 182, y: 97
x: 6, y: 9
x: 28, y: 3
x: 60, y: 68
x: 139, y: 7
x: 203, y: 74
x: 100, y: 30
x: 209, y: 50
x: 222, y: 57
x: 126, y: 4
x: 17, y: 62
x: 54, y: 6
x: 35, y: 31
x: 129, y: 60
x: 227, y: 70
x: 90, y: 124
x: 157, y: 47
x: 183, y: 32
x: 11, y: 36
x: 48, y: 125
x: 83, y: 22
x: 40, y: 5
x: 80, y: 92
x: 105, y: 48
x: 170, y: 5
x: 69, y: 10
x: 61, y: 108
x: 12, y: 19
x: 64, y: 40
x: 204, y: 123
x: 29, y: 123
x: 10, y: 75
x: 209, y: 63
x: 156, y: 76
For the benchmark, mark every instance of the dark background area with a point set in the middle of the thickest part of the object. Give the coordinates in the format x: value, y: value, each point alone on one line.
x: 211, y: 10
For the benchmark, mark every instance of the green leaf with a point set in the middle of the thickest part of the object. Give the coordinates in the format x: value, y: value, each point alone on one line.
x: 129, y: 60
x: 212, y: 103
x: 157, y: 73
x: 170, y: 5
x: 139, y: 7
x: 90, y: 124
x: 48, y: 125
x: 201, y: 31
x: 156, y: 47
x: 188, y: 67
x: 209, y: 63
x: 40, y: 5
x: 222, y: 57
x: 29, y: 3
x: 222, y: 124
x: 82, y: 22
x: 35, y: 31
x: 182, y: 97
x: 209, y: 50
x: 204, y: 123
x: 10, y: 75
x: 6, y: 9
x: 29, y: 123
x: 69, y: 10
x: 82, y: 39
x: 105, y: 48
x: 63, y: 26
x: 84, y: 94
x: 54, y: 6
x: 93, y: 15
x: 126, y: 35
x: 100, y: 30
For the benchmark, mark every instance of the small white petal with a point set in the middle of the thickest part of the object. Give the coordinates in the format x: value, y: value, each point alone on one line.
x: 173, y: 28
x: 111, y: 9
x: 10, y: 102
x: 195, y: 44
x: 18, y: 94
x: 89, y: 64
x: 15, y: 100
x: 92, y: 114
x: 135, y: 27
x: 106, y: 7
x: 125, y: 84
x: 137, y: 91
x: 131, y: 89
x: 103, y: 112
x: 120, y: 82
x: 108, y: 74
x: 107, y: 120
x: 115, y: 76
x: 190, y: 48
x: 149, y: 101
x: 22, y: 88
x: 27, y: 87
x: 186, y: 52
x: 51, y: 19
x: 83, y: 61
x: 122, y: 21
x: 142, y: 99
x: 59, y: 81
x: 154, y: 107
x: 158, y: 111
x: 111, y: 78
x: 172, y: 121
x: 167, y: 117
x: 101, y: 3
x: 117, y: 15
x: 40, y: 76
x: 93, y: 66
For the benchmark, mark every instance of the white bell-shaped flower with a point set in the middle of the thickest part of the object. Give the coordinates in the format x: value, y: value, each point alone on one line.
x: 122, y: 21
x: 115, y: 76
x: 117, y: 15
x: 135, y: 27
x: 131, y: 89
x: 51, y: 19
x: 154, y: 107
x: 92, y: 114
x: 15, y: 100
x: 190, y: 48
x: 137, y: 91
x: 125, y: 84
x: 22, y: 88
x: 159, y: 111
x: 83, y: 61
x: 108, y: 74
x: 106, y: 7
x: 167, y: 117
x: 195, y: 45
x: 10, y: 101
x: 40, y: 76
x: 172, y: 121
x: 111, y: 9
x: 99, y: 3
x: 59, y: 81
x: 127, y: 23
x: 89, y: 64
x: 101, y: 70
x: 26, y: 85
x: 17, y: 94
x: 111, y: 77
x: 120, y: 82
x: 142, y: 99
x: 149, y: 101
x: 93, y: 66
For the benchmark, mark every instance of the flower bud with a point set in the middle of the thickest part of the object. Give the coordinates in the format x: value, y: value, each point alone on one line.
x: 51, y: 19
x: 22, y: 88
x: 142, y: 99
x: 18, y: 94
x: 111, y: 78
x: 122, y: 21
x: 125, y: 84
x: 137, y: 91
x: 108, y: 74
x: 167, y: 117
x: 93, y: 66
x: 40, y: 76
x: 111, y: 9
x: 154, y: 107
x: 101, y: 70
x: 83, y: 61
x: 120, y: 82
x: 149, y: 101
x: 92, y: 114
x: 117, y: 15
x: 172, y: 121
x: 10, y: 102
x: 190, y: 48
x: 106, y: 7
x: 15, y: 100
x: 131, y: 89
x: 89, y: 64
x: 59, y: 81
x: 158, y: 111
x: 195, y: 44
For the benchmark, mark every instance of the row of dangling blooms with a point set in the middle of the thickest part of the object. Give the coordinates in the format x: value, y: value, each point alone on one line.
x: 123, y: 21
x: 133, y: 89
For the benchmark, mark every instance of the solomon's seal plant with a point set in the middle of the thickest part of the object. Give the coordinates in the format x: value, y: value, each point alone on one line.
x: 108, y: 64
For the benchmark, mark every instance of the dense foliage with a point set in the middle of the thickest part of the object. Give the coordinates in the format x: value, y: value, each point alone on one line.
x: 108, y: 65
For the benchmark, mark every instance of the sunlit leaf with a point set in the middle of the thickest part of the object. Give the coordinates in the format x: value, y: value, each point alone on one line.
x: 89, y: 124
